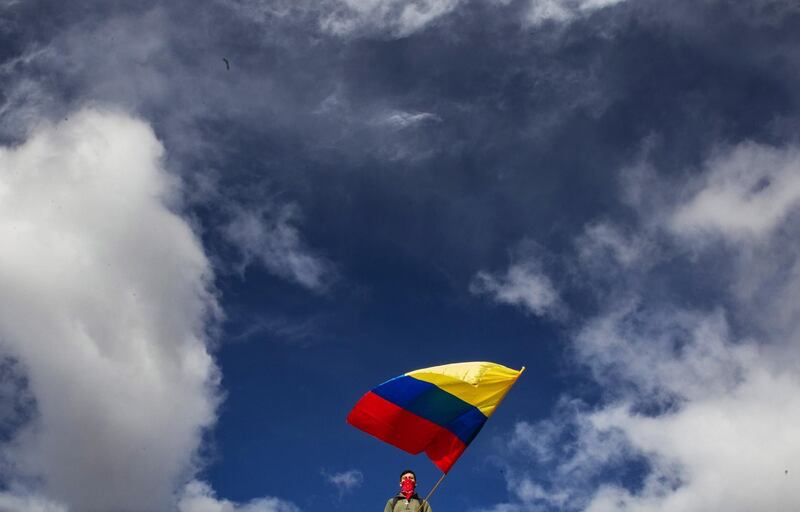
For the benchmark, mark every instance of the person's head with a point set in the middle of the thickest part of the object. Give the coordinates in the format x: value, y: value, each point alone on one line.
x: 408, y: 474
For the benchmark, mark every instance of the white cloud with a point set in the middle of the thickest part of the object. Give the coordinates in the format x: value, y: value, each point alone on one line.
x: 345, y: 481
x: 744, y: 193
x: 396, y: 18
x: 131, y: 60
x: 603, y: 239
x: 724, y: 441
x: 400, y: 119
x: 10, y: 502
x: 402, y: 18
x: 702, y: 399
x: 574, y: 453
x: 549, y: 10
x: 104, y: 303
x: 268, y: 236
x: 663, y: 353
x: 541, y: 11
x: 199, y: 497
x: 353, y: 18
x: 523, y: 284
x: 729, y: 450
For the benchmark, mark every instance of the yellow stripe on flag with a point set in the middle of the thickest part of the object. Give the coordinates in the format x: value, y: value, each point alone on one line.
x: 481, y: 384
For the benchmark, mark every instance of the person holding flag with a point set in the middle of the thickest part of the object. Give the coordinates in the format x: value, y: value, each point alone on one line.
x: 407, y: 500
x: 437, y: 410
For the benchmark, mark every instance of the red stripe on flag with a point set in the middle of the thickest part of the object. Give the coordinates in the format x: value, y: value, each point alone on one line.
x: 405, y: 430
x: 445, y: 450
x: 392, y: 424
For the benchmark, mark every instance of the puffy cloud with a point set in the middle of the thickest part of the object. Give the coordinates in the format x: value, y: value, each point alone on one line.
x: 10, y: 502
x: 396, y: 18
x: 698, y: 400
x: 744, y: 193
x: 702, y: 402
x: 541, y: 11
x: 707, y: 418
x: 574, y: 452
x: 602, y: 240
x: 723, y: 451
x: 726, y: 441
x: 104, y: 304
x: 663, y: 353
x: 199, y: 497
x: 268, y: 236
x: 345, y: 481
x: 523, y: 284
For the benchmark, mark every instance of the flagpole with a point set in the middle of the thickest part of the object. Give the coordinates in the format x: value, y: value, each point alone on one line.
x: 434, y: 488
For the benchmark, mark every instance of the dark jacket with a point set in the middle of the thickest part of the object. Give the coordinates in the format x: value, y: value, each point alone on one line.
x: 404, y: 505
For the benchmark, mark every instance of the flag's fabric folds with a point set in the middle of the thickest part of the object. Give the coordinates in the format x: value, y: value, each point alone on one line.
x: 437, y: 410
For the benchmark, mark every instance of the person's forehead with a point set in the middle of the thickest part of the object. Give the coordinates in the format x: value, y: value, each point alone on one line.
x: 411, y: 475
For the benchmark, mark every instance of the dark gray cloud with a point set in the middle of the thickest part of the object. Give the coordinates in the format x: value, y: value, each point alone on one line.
x: 508, y: 98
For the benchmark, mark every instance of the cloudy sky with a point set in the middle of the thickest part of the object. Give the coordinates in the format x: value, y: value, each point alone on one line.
x: 222, y: 222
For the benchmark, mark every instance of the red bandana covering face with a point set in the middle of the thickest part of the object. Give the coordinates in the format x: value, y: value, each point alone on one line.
x: 407, y: 486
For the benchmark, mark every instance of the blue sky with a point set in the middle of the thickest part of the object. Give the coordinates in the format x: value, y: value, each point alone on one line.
x: 206, y: 264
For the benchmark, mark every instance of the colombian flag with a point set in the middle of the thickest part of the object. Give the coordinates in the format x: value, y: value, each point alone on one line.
x: 437, y: 410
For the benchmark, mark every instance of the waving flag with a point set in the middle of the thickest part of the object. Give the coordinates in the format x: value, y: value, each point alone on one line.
x: 437, y: 410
